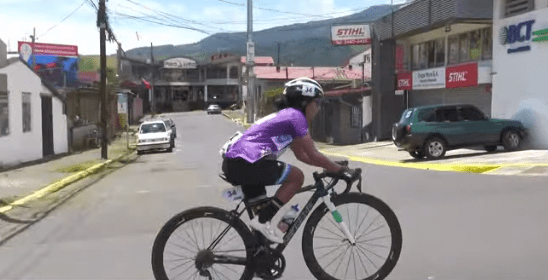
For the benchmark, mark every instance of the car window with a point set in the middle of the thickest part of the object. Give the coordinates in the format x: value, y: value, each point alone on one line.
x: 427, y: 115
x: 406, y: 116
x: 153, y: 128
x: 434, y: 116
x: 471, y: 114
x: 450, y: 114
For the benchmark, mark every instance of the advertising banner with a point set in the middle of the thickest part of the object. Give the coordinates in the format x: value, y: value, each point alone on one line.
x: 351, y: 34
x: 56, y: 64
x: 405, y: 81
x: 429, y: 79
x: 465, y: 75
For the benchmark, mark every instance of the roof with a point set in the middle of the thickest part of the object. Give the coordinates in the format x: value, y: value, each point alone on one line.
x: 260, y: 60
x: 51, y: 88
x: 317, y: 73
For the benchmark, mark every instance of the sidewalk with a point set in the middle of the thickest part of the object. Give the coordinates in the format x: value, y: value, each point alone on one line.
x: 18, y: 183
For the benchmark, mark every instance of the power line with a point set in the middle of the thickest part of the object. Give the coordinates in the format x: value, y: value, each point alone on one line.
x: 237, y: 4
x: 55, y: 25
x: 93, y: 5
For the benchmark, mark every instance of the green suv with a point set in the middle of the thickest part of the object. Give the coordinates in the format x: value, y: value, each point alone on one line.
x: 432, y: 130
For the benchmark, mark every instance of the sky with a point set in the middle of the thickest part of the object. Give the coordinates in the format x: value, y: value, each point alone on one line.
x: 138, y: 23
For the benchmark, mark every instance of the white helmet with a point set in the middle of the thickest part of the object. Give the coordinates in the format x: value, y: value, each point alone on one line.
x: 303, y: 88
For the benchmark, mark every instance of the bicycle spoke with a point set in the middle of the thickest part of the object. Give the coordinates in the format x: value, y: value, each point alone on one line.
x: 218, y: 272
x: 182, y: 247
x: 328, y: 253
x: 354, y: 261
x: 183, y: 270
x: 342, y: 237
x: 374, y: 245
x: 336, y: 226
x: 177, y: 255
x: 359, y: 249
x: 379, y: 256
x: 330, y: 246
x: 341, y: 259
x: 361, y: 261
x: 334, y: 259
x: 373, y: 230
x: 363, y: 220
x: 376, y: 238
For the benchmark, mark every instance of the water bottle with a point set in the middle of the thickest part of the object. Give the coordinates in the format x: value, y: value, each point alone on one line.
x: 288, y: 218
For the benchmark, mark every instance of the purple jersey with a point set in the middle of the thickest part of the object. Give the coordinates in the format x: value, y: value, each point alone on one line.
x: 270, y: 136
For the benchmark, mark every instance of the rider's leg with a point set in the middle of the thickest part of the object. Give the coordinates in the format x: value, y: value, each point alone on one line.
x: 289, y: 187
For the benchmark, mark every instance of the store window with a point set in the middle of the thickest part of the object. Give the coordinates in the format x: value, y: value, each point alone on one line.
x: 454, y: 49
x: 517, y: 7
x: 440, y: 52
x: 26, y: 112
x: 423, y: 56
x: 487, y: 44
x: 4, y: 114
x: 464, y: 41
x: 431, y: 51
x: 475, y: 45
x: 415, y: 57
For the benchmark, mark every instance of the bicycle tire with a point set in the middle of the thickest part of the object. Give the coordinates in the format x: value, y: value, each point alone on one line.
x: 192, y: 215
x: 311, y: 228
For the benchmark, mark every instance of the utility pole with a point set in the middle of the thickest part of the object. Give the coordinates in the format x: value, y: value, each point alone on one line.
x: 152, y: 85
x: 103, y: 84
x: 33, y: 37
x: 250, y: 61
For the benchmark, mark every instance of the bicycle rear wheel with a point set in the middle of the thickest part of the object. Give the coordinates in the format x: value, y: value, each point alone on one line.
x: 330, y: 256
x: 203, y: 243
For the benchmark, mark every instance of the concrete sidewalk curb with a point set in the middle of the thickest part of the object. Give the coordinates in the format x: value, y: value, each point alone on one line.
x: 464, y: 168
x: 63, y: 183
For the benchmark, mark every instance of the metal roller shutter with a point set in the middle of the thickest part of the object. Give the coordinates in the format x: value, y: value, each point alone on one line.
x: 425, y: 97
x: 476, y: 96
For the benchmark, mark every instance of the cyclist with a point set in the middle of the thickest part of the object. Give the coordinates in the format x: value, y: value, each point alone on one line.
x: 251, y: 160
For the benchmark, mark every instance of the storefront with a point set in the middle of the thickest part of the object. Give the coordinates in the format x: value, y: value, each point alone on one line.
x: 431, y: 52
x: 467, y: 83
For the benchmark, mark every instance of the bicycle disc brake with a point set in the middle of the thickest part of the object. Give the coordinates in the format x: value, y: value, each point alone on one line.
x: 269, y: 264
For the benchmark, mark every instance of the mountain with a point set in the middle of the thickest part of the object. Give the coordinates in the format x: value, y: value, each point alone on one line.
x: 302, y: 44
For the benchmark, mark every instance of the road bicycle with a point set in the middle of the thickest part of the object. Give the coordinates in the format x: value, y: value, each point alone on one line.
x: 212, y: 243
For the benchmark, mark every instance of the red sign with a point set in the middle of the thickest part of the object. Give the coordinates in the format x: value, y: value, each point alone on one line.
x: 405, y: 81
x: 49, y: 49
x: 465, y: 75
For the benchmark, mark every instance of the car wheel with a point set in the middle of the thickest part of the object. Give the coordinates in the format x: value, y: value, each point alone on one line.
x: 490, y: 148
x: 435, y: 148
x: 511, y: 140
x: 417, y: 154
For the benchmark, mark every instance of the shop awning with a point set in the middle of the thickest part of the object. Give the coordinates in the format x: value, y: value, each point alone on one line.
x: 340, y: 92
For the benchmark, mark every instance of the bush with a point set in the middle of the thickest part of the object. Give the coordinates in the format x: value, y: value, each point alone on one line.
x: 266, y: 104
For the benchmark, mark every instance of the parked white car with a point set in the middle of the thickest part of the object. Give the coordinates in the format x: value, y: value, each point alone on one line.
x: 154, y: 135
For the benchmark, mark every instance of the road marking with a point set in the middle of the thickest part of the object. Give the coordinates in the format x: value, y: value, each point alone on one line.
x: 143, y: 191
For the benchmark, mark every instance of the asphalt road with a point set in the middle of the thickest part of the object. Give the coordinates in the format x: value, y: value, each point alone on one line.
x: 455, y: 226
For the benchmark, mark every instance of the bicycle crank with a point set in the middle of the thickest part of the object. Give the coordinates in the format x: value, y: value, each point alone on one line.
x: 269, y: 264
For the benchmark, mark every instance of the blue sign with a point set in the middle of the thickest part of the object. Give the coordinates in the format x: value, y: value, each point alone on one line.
x: 517, y: 33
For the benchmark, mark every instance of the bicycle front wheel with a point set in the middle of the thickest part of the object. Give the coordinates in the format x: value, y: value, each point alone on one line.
x: 329, y: 254
x: 203, y: 243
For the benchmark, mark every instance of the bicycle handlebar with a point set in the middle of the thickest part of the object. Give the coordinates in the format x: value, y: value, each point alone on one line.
x: 341, y: 175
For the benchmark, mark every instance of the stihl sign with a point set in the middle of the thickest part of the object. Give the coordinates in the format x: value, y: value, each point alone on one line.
x: 350, y: 35
x: 350, y: 32
x: 465, y: 75
x: 405, y: 81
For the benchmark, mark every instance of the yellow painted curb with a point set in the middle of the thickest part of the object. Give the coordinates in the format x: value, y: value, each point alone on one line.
x: 60, y: 184
x: 468, y: 168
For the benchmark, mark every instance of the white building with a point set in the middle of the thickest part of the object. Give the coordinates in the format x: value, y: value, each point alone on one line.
x: 520, y: 65
x: 32, y: 122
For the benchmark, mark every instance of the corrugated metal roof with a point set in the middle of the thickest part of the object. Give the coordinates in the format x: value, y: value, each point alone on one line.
x: 317, y: 73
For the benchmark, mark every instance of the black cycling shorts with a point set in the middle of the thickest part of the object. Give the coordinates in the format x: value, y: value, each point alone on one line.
x: 263, y: 172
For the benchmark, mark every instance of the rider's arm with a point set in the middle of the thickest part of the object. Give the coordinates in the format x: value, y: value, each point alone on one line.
x: 305, y: 151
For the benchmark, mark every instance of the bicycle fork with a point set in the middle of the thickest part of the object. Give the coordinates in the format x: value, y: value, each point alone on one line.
x: 338, y: 218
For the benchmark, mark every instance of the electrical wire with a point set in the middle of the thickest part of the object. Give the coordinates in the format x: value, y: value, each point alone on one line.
x: 55, y: 25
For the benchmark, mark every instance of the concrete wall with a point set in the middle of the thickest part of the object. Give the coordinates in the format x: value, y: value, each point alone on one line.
x: 519, y: 79
x: 20, y: 147
x: 60, y: 136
